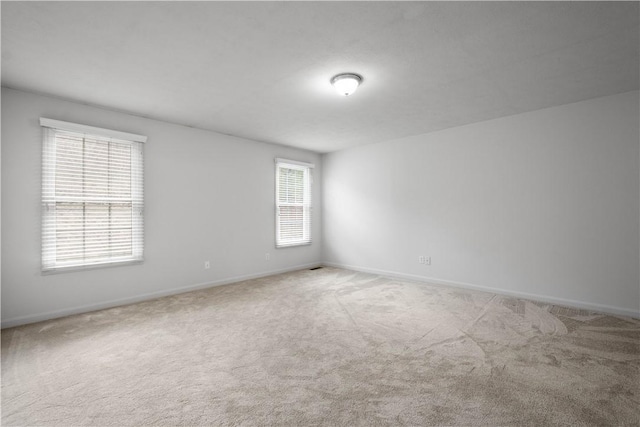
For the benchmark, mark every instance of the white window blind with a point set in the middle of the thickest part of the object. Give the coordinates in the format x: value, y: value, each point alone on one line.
x: 92, y: 196
x: 293, y: 203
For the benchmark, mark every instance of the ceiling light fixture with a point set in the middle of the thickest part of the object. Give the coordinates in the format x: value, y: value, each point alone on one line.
x: 346, y: 83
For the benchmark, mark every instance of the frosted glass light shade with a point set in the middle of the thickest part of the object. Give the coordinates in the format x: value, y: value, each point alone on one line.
x: 346, y: 84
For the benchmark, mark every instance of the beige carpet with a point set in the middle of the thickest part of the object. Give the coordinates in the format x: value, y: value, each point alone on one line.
x: 325, y: 347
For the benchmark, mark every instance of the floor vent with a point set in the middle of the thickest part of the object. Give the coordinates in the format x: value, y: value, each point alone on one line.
x: 315, y: 268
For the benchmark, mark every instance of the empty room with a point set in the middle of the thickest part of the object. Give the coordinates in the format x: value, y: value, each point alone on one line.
x: 320, y: 213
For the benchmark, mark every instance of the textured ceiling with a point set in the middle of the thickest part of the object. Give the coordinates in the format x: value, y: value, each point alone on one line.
x: 261, y: 70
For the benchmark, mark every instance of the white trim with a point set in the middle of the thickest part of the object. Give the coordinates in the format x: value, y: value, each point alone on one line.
x: 49, y: 239
x: 294, y: 162
x: 94, y: 266
x: 291, y: 245
x: 23, y: 320
x: 91, y: 130
x: 305, y: 205
x: 535, y: 297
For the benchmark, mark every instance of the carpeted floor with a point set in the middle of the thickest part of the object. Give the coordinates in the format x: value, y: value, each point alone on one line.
x: 325, y: 347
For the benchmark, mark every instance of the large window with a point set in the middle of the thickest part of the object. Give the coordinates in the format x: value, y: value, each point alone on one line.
x: 293, y: 203
x: 92, y: 196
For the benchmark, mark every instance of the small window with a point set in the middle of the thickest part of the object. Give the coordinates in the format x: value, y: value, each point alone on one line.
x: 92, y: 196
x: 293, y: 203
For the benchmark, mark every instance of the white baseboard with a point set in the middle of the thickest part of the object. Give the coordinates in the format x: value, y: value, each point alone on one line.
x: 535, y: 297
x: 23, y: 320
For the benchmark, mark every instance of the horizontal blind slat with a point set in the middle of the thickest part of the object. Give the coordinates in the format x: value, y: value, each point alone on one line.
x: 92, y: 197
x: 293, y: 203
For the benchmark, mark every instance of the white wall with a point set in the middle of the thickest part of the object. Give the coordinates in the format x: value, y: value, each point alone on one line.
x: 544, y: 204
x: 207, y: 197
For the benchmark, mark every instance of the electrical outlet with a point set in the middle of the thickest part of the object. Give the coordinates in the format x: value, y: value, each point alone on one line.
x: 424, y: 260
x: 207, y: 265
x: 267, y: 256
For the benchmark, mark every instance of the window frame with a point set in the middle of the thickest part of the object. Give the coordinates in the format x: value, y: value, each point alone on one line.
x: 49, y: 198
x: 306, y: 204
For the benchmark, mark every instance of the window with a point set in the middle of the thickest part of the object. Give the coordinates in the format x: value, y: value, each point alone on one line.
x: 92, y: 196
x: 293, y: 203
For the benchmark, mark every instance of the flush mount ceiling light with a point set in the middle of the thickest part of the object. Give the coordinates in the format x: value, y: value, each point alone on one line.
x: 346, y: 83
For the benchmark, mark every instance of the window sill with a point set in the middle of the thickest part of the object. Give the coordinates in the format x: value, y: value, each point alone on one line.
x: 292, y: 245
x: 74, y: 268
